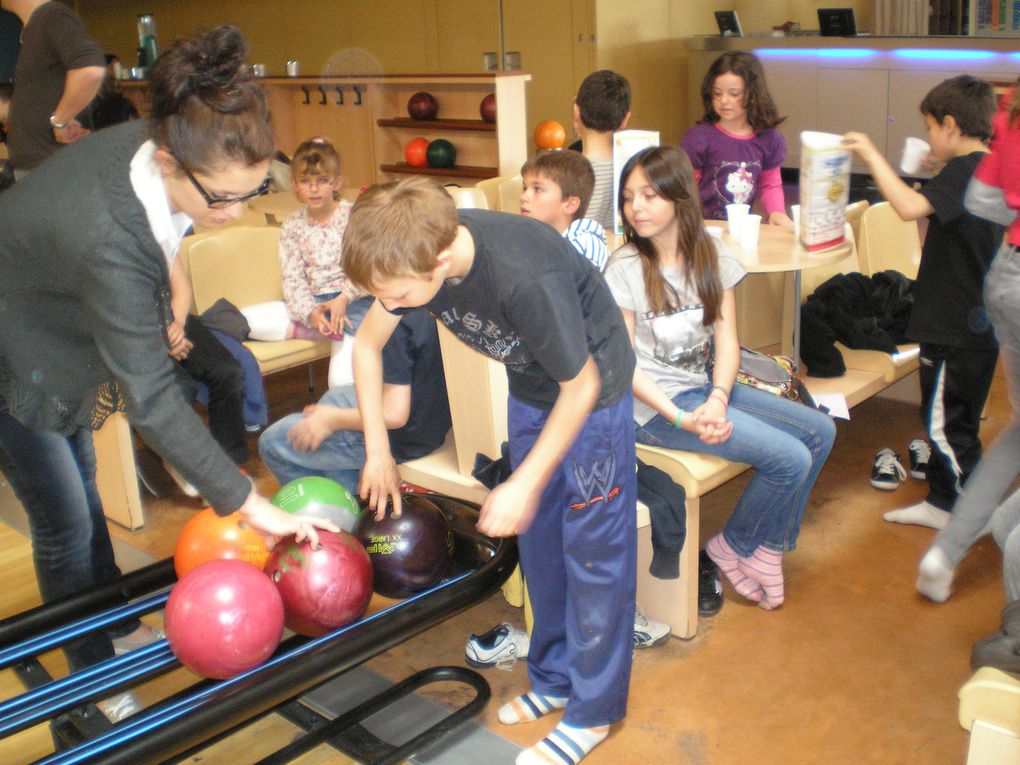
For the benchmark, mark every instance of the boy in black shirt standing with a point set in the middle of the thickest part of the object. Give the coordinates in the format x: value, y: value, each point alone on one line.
x: 958, y: 348
x: 514, y: 289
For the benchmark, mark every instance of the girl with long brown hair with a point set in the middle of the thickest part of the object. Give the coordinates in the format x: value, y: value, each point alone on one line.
x: 674, y: 284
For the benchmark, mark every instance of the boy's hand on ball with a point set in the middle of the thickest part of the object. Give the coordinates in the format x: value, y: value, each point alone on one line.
x: 272, y: 521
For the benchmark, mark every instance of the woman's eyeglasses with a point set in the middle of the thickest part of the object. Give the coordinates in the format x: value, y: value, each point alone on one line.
x: 217, y: 203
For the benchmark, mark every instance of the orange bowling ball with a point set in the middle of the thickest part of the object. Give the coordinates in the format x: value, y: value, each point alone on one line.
x: 209, y: 536
x: 550, y: 134
x: 415, y: 152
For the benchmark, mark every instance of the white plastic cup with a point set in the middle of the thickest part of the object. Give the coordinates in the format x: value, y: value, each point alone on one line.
x: 258, y: 70
x: 914, y: 152
x: 795, y: 214
x: 736, y: 215
x: 293, y: 68
x: 749, y: 230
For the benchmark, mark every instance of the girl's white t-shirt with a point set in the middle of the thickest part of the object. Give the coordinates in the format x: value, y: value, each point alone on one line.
x: 673, y: 349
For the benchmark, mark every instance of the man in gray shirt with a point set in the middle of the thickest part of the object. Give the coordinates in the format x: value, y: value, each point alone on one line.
x: 59, y: 71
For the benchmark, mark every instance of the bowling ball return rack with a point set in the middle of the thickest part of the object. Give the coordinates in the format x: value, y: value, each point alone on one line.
x: 207, y: 711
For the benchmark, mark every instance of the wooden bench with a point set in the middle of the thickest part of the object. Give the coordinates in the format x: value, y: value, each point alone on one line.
x: 885, y: 242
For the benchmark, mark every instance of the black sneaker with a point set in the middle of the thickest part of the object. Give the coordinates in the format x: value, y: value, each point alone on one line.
x: 710, y: 597
x: 920, y: 453
x: 887, y: 472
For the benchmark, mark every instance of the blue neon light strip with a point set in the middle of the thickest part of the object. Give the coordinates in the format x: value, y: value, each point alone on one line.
x: 945, y: 55
x: 913, y: 54
x: 815, y: 53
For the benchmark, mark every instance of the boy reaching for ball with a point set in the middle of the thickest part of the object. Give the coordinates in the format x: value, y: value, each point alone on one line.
x: 516, y: 290
x: 327, y: 438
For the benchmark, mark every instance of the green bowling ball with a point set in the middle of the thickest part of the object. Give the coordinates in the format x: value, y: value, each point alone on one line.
x: 322, y: 498
x: 441, y: 153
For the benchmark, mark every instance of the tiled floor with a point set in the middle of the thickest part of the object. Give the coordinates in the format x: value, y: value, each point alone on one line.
x: 854, y: 668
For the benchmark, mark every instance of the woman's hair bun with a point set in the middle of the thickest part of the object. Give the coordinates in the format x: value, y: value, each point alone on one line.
x: 210, y: 66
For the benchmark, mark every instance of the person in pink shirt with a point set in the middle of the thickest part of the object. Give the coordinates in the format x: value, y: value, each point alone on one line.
x: 736, y: 149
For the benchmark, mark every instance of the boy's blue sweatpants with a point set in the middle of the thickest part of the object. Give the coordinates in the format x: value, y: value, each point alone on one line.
x: 579, y: 558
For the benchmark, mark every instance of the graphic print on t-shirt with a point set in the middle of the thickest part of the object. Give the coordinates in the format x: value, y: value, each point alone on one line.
x: 735, y: 182
x: 679, y: 338
x: 485, y: 335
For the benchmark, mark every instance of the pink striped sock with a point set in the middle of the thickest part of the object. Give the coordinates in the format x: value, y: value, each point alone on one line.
x: 766, y: 568
x: 728, y: 561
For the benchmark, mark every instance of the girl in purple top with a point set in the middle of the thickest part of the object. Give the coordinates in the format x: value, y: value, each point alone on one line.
x: 736, y: 149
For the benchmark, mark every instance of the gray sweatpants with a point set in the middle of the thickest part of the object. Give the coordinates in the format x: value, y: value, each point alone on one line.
x: 1000, y: 465
x: 1006, y: 529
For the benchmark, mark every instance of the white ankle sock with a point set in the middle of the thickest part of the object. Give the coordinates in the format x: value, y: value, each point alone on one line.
x: 921, y: 514
x: 566, y: 745
x: 528, y: 707
x: 935, y: 575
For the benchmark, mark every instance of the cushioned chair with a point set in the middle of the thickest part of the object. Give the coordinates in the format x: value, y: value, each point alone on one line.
x: 242, y: 264
x: 888, y: 242
x: 510, y: 194
x: 468, y: 197
x: 490, y: 187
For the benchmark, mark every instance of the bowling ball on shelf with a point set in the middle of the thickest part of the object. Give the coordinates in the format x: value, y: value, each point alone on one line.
x: 488, y: 108
x: 223, y: 618
x: 321, y: 589
x: 208, y: 536
x: 320, y: 498
x: 441, y: 153
x: 415, y: 152
x: 550, y: 134
x: 410, y: 553
x: 422, y: 106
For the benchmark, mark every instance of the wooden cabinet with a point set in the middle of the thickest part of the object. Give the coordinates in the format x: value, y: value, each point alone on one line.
x: 366, y: 119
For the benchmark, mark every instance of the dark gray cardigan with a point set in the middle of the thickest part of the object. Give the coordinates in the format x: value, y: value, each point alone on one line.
x: 84, y: 303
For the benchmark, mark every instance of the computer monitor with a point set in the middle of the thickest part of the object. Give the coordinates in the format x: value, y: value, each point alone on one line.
x: 729, y: 24
x: 837, y: 22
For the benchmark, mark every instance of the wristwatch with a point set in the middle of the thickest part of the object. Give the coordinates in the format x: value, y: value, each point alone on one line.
x: 55, y: 124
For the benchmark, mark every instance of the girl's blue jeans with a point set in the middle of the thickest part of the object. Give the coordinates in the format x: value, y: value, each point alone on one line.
x: 785, y: 442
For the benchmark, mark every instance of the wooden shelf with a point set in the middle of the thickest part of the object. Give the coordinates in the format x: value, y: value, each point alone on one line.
x: 457, y: 171
x: 405, y: 122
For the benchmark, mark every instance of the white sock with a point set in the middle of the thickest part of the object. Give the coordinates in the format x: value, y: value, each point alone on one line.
x: 935, y: 575
x: 566, y: 745
x: 921, y: 514
x: 529, y: 706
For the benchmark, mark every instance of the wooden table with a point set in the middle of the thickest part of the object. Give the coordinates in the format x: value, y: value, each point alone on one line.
x: 778, y: 251
x: 276, y: 206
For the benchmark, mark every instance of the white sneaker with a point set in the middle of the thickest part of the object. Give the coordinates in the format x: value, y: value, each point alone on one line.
x: 180, y: 480
x: 503, y: 644
x: 647, y: 633
x: 141, y: 637
x: 119, y: 707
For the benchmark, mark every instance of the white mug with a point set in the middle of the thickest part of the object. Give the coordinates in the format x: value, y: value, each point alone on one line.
x: 293, y: 68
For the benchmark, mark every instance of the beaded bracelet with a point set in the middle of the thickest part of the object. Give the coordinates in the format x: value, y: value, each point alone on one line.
x: 676, y: 423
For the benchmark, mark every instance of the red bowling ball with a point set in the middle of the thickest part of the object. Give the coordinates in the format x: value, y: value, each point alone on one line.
x: 422, y: 106
x: 224, y: 618
x: 321, y: 589
x: 487, y: 109
x: 410, y: 553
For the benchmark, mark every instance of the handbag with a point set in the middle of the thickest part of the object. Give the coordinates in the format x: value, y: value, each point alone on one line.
x: 773, y: 374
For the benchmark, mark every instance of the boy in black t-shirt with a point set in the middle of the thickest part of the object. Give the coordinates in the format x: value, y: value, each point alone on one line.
x: 327, y: 439
x: 958, y: 348
x: 514, y: 289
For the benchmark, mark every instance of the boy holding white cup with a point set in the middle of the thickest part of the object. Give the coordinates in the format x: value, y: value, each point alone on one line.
x: 958, y: 348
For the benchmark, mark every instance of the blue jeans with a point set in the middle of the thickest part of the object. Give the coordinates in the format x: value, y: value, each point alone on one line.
x: 784, y: 441
x: 54, y: 477
x: 340, y: 457
x: 356, y: 310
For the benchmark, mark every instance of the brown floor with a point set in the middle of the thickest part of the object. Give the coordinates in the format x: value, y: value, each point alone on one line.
x: 855, y: 667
